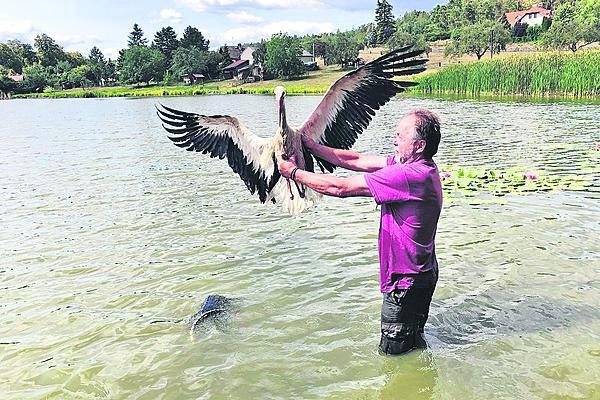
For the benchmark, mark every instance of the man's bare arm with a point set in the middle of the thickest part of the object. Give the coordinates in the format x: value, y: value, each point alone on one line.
x: 326, y: 184
x: 348, y: 159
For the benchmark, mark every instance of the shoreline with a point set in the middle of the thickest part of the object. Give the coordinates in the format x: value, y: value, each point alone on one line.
x: 159, y: 91
x: 165, y: 91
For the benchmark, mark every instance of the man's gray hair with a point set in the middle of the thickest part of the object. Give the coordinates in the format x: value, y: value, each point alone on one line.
x: 427, y: 128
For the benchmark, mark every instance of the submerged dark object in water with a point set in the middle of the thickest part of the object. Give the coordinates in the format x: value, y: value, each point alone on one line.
x: 215, y: 308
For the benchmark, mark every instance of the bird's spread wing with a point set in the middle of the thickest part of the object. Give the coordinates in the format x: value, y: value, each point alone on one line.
x: 224, y: 137
x: 350, y: 103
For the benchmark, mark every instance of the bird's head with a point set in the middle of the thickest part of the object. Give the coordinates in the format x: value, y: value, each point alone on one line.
x: 279, y: 95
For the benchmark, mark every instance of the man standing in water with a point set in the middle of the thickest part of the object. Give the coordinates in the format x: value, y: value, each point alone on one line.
x: 407, y: 186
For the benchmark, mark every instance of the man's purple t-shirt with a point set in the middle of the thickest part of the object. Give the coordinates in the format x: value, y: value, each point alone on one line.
x: 410, y: 196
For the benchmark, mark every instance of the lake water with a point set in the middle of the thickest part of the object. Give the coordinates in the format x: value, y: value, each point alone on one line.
x: 111, y: 238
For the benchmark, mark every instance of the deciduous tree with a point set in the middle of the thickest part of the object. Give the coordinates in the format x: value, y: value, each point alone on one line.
x: 48, y: 51
x: 342, y: 48
x: 80, y: 76
x: 24, y: 50
x: 260, y: 52
x: 574, y: 25
x: 478, y: 38
x: 10, y: 59
x: 187, y: 61
x: 282, y: 56
x: 142, y: 64
x: 37, y: 78
x: 403, y: 38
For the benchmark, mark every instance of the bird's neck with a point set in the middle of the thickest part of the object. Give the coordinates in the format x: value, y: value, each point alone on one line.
x: 282, y: 117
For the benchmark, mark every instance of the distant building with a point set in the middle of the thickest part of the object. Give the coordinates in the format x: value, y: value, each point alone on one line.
x: 534, y: 16
x: 235, y: 51
x: 306, y: 57
x: 17, y: 78
x: 248, y: 54
x: 192, y: 79
x: 236, y: 70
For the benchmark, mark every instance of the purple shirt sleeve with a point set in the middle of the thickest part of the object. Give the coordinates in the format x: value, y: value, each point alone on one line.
x: 389, y: 184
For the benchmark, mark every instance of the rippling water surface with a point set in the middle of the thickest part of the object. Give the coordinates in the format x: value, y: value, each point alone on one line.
x: 111, y: 237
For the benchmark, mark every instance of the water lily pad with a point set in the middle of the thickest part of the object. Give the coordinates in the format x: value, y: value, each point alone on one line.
x: 469, y: 181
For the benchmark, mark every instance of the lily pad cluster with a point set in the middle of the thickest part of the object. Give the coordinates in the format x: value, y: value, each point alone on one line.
x: 471, y: 180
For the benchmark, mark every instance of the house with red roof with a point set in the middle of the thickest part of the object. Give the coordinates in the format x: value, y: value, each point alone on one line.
x: 534, y: 16
x: 236, y: 69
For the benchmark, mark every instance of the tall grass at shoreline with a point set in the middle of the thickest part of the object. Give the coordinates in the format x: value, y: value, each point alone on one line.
x: 154, y: 91
x: 548, y: 74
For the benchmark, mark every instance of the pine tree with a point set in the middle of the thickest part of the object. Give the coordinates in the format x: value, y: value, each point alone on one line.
x: 384, y: 20
x: 98, y: 65
x: 192, y: 37
x: 96, y: 56
x: 136, y: 37
x: 371, y: 40
x: 166, y: 42
x: 224, y: 52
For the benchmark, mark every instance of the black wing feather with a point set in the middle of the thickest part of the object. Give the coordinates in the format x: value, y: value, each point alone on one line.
x: 213, y: 135
x: 351, y: 102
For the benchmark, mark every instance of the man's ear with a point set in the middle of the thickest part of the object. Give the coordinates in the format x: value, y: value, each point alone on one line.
x: 420, y: 146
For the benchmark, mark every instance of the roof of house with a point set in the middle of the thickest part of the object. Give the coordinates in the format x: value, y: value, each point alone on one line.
x: 16, y: 78
x: 195, y: 75
x: 306, y: 54
x: 516, y: 16
x: 235, y: 52
x: 236, y: 64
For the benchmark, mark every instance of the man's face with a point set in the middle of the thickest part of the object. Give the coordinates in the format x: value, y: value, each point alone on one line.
x: 405, y: 146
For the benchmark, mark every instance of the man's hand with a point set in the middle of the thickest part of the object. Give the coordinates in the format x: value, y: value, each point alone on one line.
x: 286, y: 166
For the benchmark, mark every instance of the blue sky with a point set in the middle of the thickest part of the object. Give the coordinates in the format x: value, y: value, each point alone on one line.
x: 80, y: 24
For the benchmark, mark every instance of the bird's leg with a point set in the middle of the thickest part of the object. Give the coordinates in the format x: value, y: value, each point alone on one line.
x: 301, y: 192
x: 285, y: 156
x: 289, y: 185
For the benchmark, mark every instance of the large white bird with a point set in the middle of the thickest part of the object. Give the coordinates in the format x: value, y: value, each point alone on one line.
x: 343, y: 113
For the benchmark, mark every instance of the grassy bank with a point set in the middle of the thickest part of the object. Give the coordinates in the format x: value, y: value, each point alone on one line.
x: 549, y: 75
x: 541, y: 75
x: 153, y: 91
x: 316, y: 82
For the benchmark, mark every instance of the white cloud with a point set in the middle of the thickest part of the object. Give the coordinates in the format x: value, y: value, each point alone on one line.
x: 242, y: 17
x: 203, y: 5
x: 170, y: 15
x: 255, y: 33
x: 20, y: 30
x: 288, y: 3
x: 111, y: 52
x: 80, y: 43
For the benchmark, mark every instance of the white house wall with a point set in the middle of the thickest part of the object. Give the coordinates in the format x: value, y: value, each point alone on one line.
x: 532, y: 19
x: 248, y: 54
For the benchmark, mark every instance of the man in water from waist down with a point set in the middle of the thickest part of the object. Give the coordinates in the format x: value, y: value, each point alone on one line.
x: 408, y: 188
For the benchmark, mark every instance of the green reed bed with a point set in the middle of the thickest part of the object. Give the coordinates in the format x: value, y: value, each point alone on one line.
x: 548, y: 74
x: 156, y: 91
